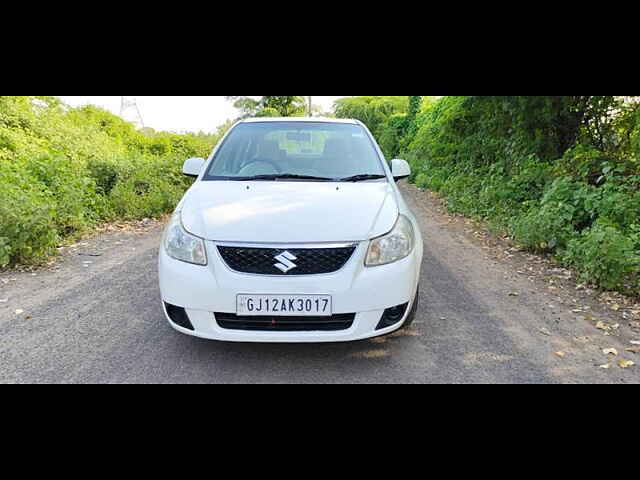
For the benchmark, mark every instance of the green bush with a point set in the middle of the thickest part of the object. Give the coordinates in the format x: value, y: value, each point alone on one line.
x: 28, y: 227
x: 391, y: 134
x: 635, y: 142
x: 635, y: 236
x: 373, y: 111
x: 545, y: 229
x: 64, y: 170
x: 583, y: 162
x: 619, y: 203
x: 561, y: 174
x: 151, y: 189
x: 603, y: 255
x: 105, y: 174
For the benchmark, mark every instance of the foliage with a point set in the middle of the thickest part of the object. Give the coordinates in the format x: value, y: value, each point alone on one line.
x: 561, y: 174
x: 268, y: 112
x: 210, y: 139
x: 635, y: 140
x: 248, y: 106
x: 64, y: 170
x: 391, y: 134
x: 567, y: 207
x: 399, y: 129
x: 414, y: 107
x: 285, y: 106
x: 411, y: 124
x: 270, y: 106
x: 604, y: 255
x: 372, y: 111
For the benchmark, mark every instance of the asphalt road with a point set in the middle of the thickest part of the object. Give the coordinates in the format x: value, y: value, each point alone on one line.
x: 101, y: 322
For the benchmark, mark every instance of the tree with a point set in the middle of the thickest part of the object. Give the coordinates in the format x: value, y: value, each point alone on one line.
x: 409, y: 126
x: 248, y: 106
x: 552, y: 124
x: 372, y: 111
x: 269, y: 106
x: 285, y: 106
x: 414, y: 107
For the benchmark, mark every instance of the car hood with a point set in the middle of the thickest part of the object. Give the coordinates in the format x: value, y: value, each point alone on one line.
x: 289, y: 212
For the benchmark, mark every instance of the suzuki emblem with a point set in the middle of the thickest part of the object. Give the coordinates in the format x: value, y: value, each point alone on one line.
x: 284, y: 262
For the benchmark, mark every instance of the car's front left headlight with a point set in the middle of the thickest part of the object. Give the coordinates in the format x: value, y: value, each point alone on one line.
x: 181, y: 245
x: 394, y: 246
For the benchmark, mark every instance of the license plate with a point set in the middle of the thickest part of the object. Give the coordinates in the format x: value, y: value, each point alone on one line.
x: 284, y: 305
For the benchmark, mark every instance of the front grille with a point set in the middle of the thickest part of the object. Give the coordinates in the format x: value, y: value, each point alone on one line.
x: 308, y: 261
x: 231, y: 321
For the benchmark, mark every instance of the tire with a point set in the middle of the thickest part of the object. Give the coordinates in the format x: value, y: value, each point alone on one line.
x: 414, y: 309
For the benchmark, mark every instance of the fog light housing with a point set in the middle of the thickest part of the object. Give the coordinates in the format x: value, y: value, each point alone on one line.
x: 178, y: 315
x: 392, y: 315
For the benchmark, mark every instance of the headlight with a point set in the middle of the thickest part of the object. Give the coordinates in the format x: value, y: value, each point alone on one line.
x: 182, y: 245
x: 394, y: 246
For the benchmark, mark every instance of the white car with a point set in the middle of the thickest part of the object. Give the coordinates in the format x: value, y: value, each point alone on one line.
x: 294, y: 231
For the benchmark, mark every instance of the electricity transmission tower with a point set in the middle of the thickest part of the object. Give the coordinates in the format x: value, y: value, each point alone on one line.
x: 129, y: 111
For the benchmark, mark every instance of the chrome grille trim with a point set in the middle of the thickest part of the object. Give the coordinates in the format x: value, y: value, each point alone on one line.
x: 286, y: 246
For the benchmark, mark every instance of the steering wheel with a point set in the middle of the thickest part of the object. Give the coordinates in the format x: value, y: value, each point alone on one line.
x: 273, y: 164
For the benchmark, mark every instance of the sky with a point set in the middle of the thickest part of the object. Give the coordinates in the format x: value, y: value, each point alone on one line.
x: 178, y: 114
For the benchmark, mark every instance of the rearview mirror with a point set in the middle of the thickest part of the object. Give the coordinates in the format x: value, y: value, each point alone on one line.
x: 299, y: 137
x: 400, y: 169
x: 193, y: 166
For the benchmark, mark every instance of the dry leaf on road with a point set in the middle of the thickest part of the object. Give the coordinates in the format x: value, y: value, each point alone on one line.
x: 626, y: 363
x: 19, y: 312
x: 561, y: 354
x: 606, y: 366
x: 545, y: 331
x: 610, y: 351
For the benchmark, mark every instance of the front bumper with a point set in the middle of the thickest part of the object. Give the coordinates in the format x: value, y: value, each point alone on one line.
x: 365, y: 291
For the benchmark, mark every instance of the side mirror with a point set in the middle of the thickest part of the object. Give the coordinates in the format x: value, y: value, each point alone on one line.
x: 193, y: 166
x: 400, y: 169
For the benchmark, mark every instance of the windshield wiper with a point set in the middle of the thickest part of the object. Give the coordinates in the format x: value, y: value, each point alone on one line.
x: 285, y: 176
x: 360, y: 178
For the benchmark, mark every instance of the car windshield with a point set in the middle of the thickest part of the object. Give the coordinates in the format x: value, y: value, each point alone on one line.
x: 315, y: 151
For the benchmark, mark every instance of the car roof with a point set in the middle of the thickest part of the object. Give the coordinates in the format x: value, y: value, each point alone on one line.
x: 299, y: 119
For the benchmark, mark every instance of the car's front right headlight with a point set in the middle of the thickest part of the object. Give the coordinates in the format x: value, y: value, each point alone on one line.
x: 394, y: 246
x: 181, y: 245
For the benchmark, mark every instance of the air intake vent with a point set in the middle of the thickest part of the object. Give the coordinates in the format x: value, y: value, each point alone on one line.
x: 392, y: 315
x: 232, y: 321
x: 178, y: 315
